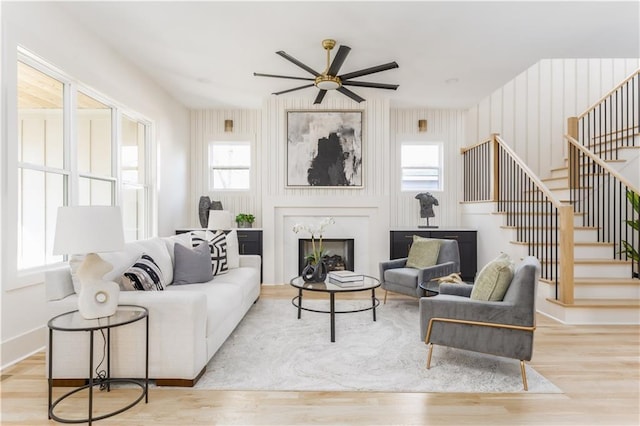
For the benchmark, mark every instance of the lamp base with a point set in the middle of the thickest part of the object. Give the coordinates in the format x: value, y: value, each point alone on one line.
x: 98, y: 299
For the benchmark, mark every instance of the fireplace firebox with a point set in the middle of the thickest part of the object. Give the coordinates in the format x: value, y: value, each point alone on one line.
x: 339, y: 255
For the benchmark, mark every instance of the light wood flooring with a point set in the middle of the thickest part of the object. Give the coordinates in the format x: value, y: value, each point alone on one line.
x: 597, y: 368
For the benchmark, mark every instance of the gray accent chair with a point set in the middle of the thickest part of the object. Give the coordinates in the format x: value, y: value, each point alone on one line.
x: 503, y: 328
x: 396, y: 277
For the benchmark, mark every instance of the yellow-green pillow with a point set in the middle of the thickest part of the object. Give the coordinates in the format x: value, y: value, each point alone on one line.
x: 423, y: 252
x: 493, y: 280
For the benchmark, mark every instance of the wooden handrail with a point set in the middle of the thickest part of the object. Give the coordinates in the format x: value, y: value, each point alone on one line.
x: 463, y: 150
x: 530, y: 174
x: 602, y: 164
x: 609, y: 93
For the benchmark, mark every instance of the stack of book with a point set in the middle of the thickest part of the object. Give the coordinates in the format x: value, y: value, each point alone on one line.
x: 346, y: 278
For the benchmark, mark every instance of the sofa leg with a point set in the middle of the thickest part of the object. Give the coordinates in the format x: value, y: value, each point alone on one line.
x: 524, y: 375
x: 385, y: 297
x: 429, y: 356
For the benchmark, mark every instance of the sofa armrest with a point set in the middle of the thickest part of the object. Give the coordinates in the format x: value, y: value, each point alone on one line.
x: 251, y: 261
x: 392, y: 264
x: 456, y: 289
x: 437, y: 271
x: 58, y: 282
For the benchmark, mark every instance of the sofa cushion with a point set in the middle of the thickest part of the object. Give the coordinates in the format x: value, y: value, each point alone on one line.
x: 233, y: 249
x: 143, y: 275
x: 218, y: 248
x: 493, y: 279
x: 406, y: 277
x: 192, y: 266
x: 423, y: 252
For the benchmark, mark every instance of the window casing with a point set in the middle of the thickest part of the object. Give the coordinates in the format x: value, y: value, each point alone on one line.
x: 421, y: 166
x: 229, y: 166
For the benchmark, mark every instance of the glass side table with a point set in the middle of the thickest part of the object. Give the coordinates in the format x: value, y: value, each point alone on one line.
x: 74, y: 322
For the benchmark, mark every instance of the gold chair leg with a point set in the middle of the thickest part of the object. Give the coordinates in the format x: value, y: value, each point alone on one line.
x: 524, y: 375
x: 429, y: 356
x: 385, y: 297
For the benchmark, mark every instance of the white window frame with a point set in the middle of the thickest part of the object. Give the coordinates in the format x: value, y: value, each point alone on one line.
x: 440, y: 167
x: 209, y: 167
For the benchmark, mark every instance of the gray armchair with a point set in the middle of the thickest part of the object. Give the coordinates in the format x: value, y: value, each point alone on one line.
x: 503, y: 328
x: 396, y: 277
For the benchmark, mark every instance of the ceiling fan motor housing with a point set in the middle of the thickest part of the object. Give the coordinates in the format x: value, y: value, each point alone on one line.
x: 328, y: 82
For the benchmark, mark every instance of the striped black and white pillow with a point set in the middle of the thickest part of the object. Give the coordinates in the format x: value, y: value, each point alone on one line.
x: 217, y: 246
x: 144, y: 275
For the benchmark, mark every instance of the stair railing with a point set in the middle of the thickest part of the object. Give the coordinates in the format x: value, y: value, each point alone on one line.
x: 600, y: 193
x: 494, y: 173
x: 612, y: 121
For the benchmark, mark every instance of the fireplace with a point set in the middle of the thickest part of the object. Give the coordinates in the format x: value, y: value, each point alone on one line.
x: 339, y: 253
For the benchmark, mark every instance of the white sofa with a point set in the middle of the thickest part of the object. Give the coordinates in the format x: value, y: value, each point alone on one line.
x: 187, y: 323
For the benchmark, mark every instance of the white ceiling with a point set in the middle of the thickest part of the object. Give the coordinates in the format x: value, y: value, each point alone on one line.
x: 204, y: 53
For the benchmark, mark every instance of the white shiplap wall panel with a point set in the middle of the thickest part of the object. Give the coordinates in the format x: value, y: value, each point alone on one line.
x: 208, y: 125
x: 535, y: 105
x: 447, y: 126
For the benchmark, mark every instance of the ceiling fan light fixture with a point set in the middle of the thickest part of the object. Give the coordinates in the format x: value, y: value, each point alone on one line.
x: 328, y: 82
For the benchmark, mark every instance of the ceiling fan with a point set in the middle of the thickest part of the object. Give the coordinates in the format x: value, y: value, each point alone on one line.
x: 329, y: 78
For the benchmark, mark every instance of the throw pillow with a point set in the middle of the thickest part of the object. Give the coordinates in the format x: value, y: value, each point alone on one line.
x: 423, y: 252
x: 143, y: 275
x: 192, y: 266
x: 218, y: 248
x: 233, y: 249
x: 493, y: 280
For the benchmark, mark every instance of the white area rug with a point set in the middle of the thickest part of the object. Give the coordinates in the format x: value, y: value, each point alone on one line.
x: 272, y: 350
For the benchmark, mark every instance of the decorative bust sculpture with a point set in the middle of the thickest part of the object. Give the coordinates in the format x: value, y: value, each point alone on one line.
x: 427, y: 201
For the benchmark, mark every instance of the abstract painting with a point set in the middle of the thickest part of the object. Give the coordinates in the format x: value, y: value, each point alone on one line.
x: 324, y: 149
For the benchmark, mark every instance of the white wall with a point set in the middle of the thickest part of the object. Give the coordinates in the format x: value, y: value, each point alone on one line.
x: 379, y: 205
x: 45, y: 30
x: 530, y: 112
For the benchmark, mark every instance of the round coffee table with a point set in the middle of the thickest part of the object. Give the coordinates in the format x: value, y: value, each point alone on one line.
x: 367, y: 284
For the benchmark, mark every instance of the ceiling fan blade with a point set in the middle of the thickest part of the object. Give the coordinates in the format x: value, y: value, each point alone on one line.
x: 367, y: 71
x: 373, y: 85
x: 320, y: 97
x: 295, y: 88
x: 298, y: 63
x: 257, y: 74
x: 350, y: 94
x: 338, y: 60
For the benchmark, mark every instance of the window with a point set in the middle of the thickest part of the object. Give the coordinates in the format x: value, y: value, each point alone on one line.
x: 421, y: 164
x: 74, y: 148
x: 135, y: 187
x: 42, y: 170
x: 229, y: 165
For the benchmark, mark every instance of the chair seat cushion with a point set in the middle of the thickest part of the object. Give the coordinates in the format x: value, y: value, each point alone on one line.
x: 493, y: 280
x: 406, y: 277
x: 423, y: 252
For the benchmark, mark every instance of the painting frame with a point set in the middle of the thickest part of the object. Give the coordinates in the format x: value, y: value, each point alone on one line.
x: 324, y: 149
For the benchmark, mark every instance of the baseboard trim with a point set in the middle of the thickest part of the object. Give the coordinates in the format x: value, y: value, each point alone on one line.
x: 21, y: 347
x: 183, y: 383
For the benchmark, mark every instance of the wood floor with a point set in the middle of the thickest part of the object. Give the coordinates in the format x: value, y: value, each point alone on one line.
x: 597, y: 368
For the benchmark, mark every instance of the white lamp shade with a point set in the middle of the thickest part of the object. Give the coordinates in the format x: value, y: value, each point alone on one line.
x: 88, y: 229
x: 220, y: 219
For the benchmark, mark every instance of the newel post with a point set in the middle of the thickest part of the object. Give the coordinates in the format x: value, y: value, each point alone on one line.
x: 573, y: 160
x: 566, y: 247
x: 495, y: 168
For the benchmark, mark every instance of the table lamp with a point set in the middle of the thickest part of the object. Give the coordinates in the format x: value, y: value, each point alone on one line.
x: 220, y: 220
x: 88, y: 230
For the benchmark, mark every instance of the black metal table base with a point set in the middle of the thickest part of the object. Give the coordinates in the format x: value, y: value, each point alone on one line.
x: 297, y: 302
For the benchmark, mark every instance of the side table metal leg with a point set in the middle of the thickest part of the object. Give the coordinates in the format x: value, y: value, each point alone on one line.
x: 89, y: 417
x: 332, y: 309
x: 108, y: 359
x: 50, y: 370
x: 146, y: 365
x: 299, y: 302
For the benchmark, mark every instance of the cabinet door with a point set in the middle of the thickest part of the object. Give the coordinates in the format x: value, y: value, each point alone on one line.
x: 250, y: 242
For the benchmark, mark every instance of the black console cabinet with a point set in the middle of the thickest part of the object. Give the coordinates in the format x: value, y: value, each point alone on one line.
x: 400, y: 242
x: 249, y: 240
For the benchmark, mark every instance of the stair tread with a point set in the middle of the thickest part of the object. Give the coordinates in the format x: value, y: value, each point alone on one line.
x: 555, y: 227
x: 593, y: 261
x: 599, y: 281
x: 535, y: 213
x: 599, y: 303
